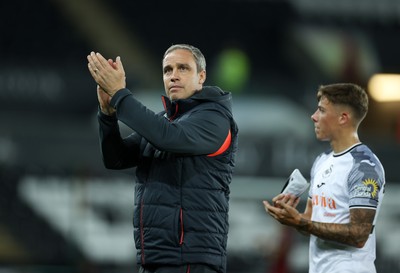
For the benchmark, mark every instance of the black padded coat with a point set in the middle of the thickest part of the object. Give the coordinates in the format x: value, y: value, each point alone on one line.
x: 184, y: 159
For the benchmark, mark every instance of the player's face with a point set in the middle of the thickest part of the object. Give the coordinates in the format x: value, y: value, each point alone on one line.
x: 181, y: 78
x: 326, y: 120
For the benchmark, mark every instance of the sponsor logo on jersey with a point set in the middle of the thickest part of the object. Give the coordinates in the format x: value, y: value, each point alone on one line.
x: 329, y: 214
x: 368, y: 188
x: 323, y: 201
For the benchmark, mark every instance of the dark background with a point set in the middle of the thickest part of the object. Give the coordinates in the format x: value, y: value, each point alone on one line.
x: 48, y: 100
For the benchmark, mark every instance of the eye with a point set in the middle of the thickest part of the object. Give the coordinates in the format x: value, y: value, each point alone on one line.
x: 167, y: 70
x: 183, y: 68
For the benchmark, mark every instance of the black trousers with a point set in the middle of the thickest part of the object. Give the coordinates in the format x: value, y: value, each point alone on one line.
x: 189, y: 268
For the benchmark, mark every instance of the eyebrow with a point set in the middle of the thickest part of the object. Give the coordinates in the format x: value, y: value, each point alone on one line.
x: 320, y: 107
x: 183, y: 65
x: 186, y: 65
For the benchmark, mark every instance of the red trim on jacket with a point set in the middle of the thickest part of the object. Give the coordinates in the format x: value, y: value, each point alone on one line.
x: 181, y: 217
x: 224, y: 145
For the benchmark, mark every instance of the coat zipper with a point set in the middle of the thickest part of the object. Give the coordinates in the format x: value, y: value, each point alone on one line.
x: 141, y: 231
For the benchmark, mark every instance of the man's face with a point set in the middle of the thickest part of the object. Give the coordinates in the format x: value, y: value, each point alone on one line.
x: 181, y: 78
x: 326, y: 120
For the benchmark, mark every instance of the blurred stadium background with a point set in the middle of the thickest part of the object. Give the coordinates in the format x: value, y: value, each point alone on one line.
x: 61, y: 211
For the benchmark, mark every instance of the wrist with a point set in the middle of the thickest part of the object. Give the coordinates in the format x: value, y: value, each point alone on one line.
x: 108, y: 111
x: 304, y: 224
x: 114, y: 91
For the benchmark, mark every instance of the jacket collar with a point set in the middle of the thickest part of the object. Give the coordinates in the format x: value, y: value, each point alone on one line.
x: 173, y: 109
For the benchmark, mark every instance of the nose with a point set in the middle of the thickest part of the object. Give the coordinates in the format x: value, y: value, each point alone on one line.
x: 314, y: 117
x: 174, y: 75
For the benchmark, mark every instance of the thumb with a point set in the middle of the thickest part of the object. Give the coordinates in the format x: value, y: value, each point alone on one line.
x: 119, y: 63
x: 267, y: 205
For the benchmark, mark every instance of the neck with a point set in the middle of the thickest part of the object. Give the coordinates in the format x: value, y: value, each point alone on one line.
x: 342, y: 144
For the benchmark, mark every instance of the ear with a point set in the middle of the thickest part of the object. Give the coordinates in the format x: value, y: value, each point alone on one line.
x: 202, y: 77
x: 344, y: 118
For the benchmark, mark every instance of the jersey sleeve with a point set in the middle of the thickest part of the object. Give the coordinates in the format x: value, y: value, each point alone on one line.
x: 366, y: 182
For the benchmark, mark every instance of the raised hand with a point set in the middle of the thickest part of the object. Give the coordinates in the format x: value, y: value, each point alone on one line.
x: 109, y: 75
x: 283, y: 213
x: 288, y: 199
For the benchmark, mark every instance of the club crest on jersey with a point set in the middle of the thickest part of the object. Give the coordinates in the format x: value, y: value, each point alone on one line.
x: 369, y: 188
x: 327, y: 172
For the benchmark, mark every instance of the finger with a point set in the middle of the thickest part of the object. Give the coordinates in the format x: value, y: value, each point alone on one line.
x: 92, y: 59
x: 95, y: 60
x: 286, y: 198
x: 278, y: 197
x: 92, y: 65
x: 119, y: 64
x: 100, y: 61
x: 282, y: 204
x: 297, y: 201
x: 269, y: 208
x: 290, y: 199
x: 92, y: 71
x: 266, y: 205
x: 112, y: 63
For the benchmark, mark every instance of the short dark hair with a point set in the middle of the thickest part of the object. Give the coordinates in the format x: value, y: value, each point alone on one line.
x: 349, y: 94
x: 198, y: 56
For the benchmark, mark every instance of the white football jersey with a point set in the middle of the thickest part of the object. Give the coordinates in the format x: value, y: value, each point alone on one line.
x: 354, y: 178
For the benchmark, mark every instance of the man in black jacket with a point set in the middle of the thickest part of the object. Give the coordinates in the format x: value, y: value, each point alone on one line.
x: 184, y: 156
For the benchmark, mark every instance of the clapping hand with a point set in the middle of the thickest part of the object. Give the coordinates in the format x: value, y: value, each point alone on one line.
x: 108, y: 74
